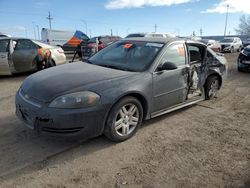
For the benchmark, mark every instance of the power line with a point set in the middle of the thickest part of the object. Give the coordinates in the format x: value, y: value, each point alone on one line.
x: 49, y: 18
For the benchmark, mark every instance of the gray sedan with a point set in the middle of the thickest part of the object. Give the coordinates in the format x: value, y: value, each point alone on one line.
x: 129, y: 81
x: 18, y: 55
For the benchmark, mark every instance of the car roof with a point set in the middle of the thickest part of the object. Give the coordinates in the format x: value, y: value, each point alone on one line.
x: 160, y: 40
x: 14, y: 38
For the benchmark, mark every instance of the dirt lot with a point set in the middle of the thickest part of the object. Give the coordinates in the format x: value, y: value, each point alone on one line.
x: 205, y: 145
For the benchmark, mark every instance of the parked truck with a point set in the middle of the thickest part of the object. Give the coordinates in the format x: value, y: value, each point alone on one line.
x: 68, y: 40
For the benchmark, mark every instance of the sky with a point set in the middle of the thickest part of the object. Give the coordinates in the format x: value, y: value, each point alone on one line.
x: 24, y: 18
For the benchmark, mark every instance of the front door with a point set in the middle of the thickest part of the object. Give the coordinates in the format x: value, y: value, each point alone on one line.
x: 170, y: 86
x: 4, y: 57
x: 24, y: 55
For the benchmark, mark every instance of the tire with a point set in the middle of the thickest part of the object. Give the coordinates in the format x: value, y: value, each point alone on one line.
x: 211, y: 87
x: 124, y: 119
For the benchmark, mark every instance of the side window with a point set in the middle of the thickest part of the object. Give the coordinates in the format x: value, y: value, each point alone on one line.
x: 4, y: 44
x: 105, y: 40
x: 195, y: 54
x: 84, y: 37
x: 25, y: 45
x: 175, y: 54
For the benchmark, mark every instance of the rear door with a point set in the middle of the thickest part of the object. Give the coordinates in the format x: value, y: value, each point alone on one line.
x: 170, y: 86
x: 4, y: 57
x: 24, y: 55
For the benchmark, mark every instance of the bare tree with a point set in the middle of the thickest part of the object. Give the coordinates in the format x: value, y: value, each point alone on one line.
x: 244, y: 26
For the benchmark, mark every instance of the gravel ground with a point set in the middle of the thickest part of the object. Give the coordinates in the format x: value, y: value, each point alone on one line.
x: 205, y: 145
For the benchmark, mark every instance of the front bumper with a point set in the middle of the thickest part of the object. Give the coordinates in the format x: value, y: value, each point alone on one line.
x: 87, y: 122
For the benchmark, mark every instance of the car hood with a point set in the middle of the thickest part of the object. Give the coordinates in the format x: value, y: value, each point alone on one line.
x: 245, y: 53
x: 50, y: 83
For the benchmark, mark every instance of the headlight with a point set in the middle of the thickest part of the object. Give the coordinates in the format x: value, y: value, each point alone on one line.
x: 75, y: 100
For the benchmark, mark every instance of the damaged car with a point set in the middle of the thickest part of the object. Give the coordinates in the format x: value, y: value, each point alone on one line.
x: 114, y: 91
x: 18, y: 55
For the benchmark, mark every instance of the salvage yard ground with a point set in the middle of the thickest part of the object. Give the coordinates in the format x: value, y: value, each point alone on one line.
x: 205, y: 145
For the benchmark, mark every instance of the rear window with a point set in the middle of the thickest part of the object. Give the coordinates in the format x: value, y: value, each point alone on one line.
x: 247, y: 49
x: 227, y: 40
x: 4, y: 45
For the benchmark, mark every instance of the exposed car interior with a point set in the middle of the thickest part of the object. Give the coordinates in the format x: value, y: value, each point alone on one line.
x: 196, y: 55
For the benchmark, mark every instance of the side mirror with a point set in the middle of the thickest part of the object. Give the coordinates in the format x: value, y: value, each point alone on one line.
x: 167, y: 66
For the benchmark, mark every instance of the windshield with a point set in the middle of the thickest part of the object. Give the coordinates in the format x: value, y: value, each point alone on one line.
x: 247, y: 49
x: 227, y: 40
x: 134, y: 56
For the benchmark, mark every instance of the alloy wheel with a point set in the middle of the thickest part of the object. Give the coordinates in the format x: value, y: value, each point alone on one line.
x: 127, y: 119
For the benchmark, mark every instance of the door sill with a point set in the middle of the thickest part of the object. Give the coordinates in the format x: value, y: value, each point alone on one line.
x: 178, y: 106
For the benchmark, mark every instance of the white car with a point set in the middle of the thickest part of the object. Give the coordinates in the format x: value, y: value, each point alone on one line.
x: 231, y: 44
x: 19, y: 54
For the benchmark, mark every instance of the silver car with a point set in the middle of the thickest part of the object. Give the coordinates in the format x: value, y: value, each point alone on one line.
x: 18, y: 55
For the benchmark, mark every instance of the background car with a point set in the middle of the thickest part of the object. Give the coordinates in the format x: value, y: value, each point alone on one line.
x: 160, y: 35
x: 120, y: 86
x: 132, y: 35
x: 246, y: 42
x: 243, y: 62
x: 90, y: 47
x: 18, y: 55
x: 231, y: 44
x: 213, y: 44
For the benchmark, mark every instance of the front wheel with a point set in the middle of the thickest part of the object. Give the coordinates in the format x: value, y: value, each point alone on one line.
x: 124, y: 119
x: 212, y: 87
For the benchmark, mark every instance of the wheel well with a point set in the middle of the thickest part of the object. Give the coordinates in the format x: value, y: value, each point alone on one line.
x: 142, y: 101
x: 217, y: 75
x: 139, y: 97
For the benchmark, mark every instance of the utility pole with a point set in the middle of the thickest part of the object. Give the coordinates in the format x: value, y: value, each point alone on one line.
x: 155, y: 28
x: 49, y: 18
x: 225, y: 31
x: 38, y: 32
x: 201, y: 31
x: 34, y: 29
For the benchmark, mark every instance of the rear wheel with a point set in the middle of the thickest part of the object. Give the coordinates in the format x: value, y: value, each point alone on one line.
x: 211, y: 87
x: 124, y: 119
